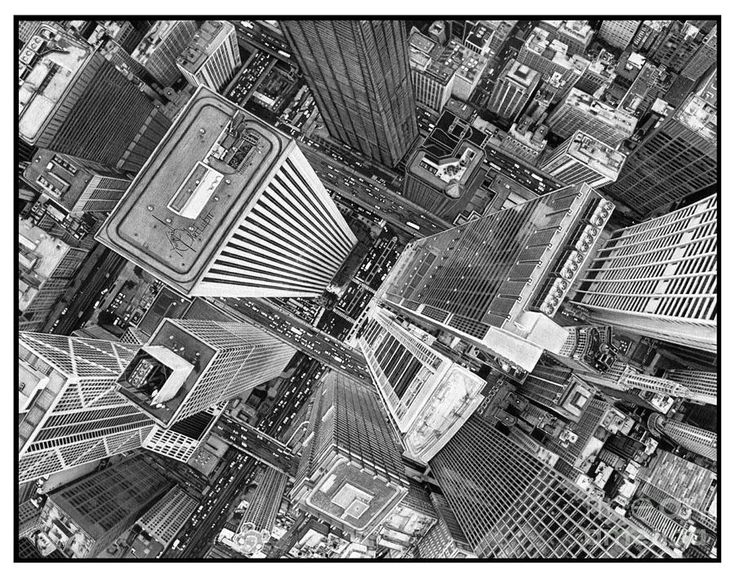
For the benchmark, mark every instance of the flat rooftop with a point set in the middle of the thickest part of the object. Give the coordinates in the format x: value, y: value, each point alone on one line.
x: 207, y: 171
x: 578, y: 99
x: 700, y: 116
x: 48, y: 65
x: 521, y: 74
x: 596, y: 155
x: 155, y: 36
x: 204, y: 43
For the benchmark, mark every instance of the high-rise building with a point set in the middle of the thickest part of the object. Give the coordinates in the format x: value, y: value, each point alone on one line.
x: 696, y: 440
x: 660, y: 524
x: 445, y: 539
x: 678, y: 45
x: 598, y: 75
x: 584, y: 159
x: 265, y: 501
x: 552, y: 58
x: 428, y: 395
x: 74, y: 184
x: 674, y: 161
x: 576, y: 34
x: 659, y: 278
x: 83, y: 518
x: 46, y: 267
x: 557, y: 389
x: 365, y: 96
x: 618, y: 33
x: 513, y: 88
x: 432, y: 80
x: 229, y: 206
x: 190, y: 365
x: 512, y: 505
x: 704, y: 57
x: 73, y: 101
x: 523, y: 142
x: 161, y: 47
x: 444, y: 173
x: 410, y: 520
x: 497, y: 281
x: 167, y: 516
x: 70, y: 412
x: 351, y: 474
x: 580, y: 111
x: 212, y: 57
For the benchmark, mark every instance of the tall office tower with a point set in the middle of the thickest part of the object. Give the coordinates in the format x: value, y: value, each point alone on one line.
x: 46, y: 268
x: 513, y: 89
x: 580, y: 111
x: 86, y: 516
x: 428, y: 395
x: 676, y: 160
x: 512, y: 505
x: 618, y: 33
x: 358, y: 73
x: 73, y: 101
x: 497, y: 281
x: 438, y: 72
x: 351, y: 474
x: 577, y: 35
x: 190, y: 365
x: 162, y: 46
x: 694, y: 439
x: 659, y: 278
x: 70, y: 412
x: 661, y: 525
x: 682, y: 487
x: 702, y: 385
x: 584, y: 159
x: 265, y: 501
x: 444, y: 173
x: 166, y: 517
x: 558, y: 389
x: 212, y: 57
x: 229, y: 207
x: 127, y: 33
x: 445, y: 539
x: 76, y: 185
x: 704, y: 57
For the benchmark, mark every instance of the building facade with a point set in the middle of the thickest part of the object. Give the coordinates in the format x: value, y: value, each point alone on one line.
x: 229, y: 206
x: 161, y: 47
x: 584, y: 159
x: 365, y: 97
x: 212, y: 57
x: 659, y: 278
x: 618, y: 33
x: 513, y: 89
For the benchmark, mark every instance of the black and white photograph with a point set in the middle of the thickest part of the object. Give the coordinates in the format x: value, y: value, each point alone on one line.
x: 403, y: 288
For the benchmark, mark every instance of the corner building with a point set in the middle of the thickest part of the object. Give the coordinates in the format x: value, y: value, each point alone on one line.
x: 512, y: 505
x: 228, y: 206
x: 358, y: 72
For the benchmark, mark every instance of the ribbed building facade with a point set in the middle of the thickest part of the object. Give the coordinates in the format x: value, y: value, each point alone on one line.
x: 266, y: 500
x: 618, y: 33
x: 696, y: 440
x: 212, y: 57
x: 246, y: 217
x: 584, y: 159
x: 358, y: 72
x: 512, y: 505
x: 351, y: 474
x: 659, y: 278
x: 162, y: 46
x: 71, y: 413
x: 497, y: 281
x: 676, y: 160
x: 167, y: 516
x: 513, y: 89
x: 99, y: 116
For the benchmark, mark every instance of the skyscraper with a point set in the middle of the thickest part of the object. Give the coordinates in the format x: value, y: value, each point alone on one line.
x: 359, y: 75
x: 512, y: 505
x: 497, y: 281
x: 212, y: 57
x: 676, y: 160
x: 618, y: 33
x: 584, y: 159
x: 351, y: 474
x: 70, y: 412
x: 162, y: 46
x: 73, y: 101
x: 444, y: 173
x: 86, y: 516
x: 694, y: 439
x: 703, y: 58
x: 76, y: 185
x: 580, y: 111
x: 659, y: 278
x: 513, y: 89
x: 47, y: 266
x: 265, y: 501
x: 428, y: 395
x: 191, y: 365
x: 229, y: 206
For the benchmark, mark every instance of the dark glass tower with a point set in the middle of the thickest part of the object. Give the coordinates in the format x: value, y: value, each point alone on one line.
x: 512, y: 505
x: 359, y: 74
